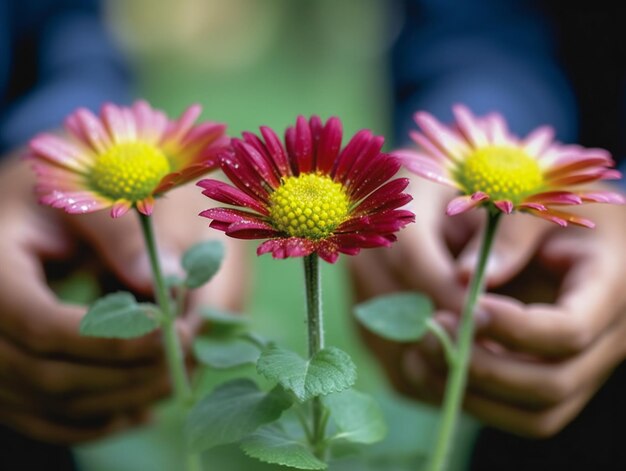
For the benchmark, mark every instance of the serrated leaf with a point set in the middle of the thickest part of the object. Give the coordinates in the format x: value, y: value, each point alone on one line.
x: 225, y: 353
x: 231, y: 412
x: 218, y: 316
x: 202, y: 261
x: 118, y: 315
x: 402, y: 317
x: 271, y: 444
x: 330, y: 370
x: 358, y: 417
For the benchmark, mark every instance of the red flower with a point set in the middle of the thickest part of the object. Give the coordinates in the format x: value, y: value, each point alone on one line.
x: 312, y: 197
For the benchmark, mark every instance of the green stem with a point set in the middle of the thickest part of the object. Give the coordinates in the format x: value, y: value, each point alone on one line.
x: 173, y: 350
x: 315, y: 327
x: 457, y: 377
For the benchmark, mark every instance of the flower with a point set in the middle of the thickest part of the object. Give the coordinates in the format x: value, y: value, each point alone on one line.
x: 311, y: 197
x: 123, y: 159
x: 490, y: 166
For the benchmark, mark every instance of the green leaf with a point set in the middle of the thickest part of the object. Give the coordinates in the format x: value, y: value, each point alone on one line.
x: 402, y: 317
x: 271, y: 444
x: 330, y: 370
x: 225, y: 353
x: 231, y: 412
x: 217, y: 316
x: 202, y: 261
x: 358, y: 417
x: 118, y: 315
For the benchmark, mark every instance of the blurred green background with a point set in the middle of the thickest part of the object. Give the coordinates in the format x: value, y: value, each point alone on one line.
x: 254, y: 62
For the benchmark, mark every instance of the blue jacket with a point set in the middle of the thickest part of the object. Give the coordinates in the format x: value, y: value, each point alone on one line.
x: 55, y: 55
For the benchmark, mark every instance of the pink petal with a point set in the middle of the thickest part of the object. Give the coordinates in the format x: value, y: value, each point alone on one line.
x: 535, y: 206
x: 602, y: 197
x: 146, y: 206
x: 497, y: 131
x: 61, y: 152
x: 115, y: 123
x: 464, y: 203
x: 538, y: 140
x: 89, y: 129
x: 178, y: 130
x: 425, y: 167
x: 429, y: 148
x: 444, y: 138
x: 559, y: 217
x: 554, y: 197
x: 505, y: 206
x: 120, y: 208
x: 468, y: 125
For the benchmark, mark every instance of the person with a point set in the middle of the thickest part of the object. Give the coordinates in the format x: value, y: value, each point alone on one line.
x: 547, y: 375
x: 56, y: 387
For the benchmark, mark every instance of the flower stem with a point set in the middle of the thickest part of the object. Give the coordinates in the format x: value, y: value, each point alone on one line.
x: 315, y: 327
x: 457, y: 378
x: 173, y: 351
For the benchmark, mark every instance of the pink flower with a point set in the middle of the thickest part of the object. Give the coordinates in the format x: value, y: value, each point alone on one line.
x: 312, y: 196
x: 122, y: 159
x: 490, y: 166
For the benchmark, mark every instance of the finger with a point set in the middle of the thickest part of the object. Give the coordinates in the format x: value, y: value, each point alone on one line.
x: 533, y: 424
x: 525, y: 383
x: 515, y: 244
x: 588, y: 304
x: 139, y: 396
x: 40, y: 323
x: 119, y: 242
x: 63, y: 433
x: 61, y: 378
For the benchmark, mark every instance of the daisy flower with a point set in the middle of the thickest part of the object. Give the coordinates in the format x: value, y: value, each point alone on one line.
x: 309, y: 196
x: 122, y: 159
x: 490, y: 166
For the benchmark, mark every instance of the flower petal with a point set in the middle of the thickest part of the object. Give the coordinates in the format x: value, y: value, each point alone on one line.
x: 329, y: 145
x: 276, y: 151
x: 505, y: 206
x: 224, y: 193
x: 120, y: 208
x: 460, y: 204
x: 468, y: 125
x: 287, y: 247
x: 146, y: 206
x: 425, y: 167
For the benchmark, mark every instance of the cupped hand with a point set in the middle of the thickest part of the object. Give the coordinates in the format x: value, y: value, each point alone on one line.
x: 54, y: 384
x: 536, y: 365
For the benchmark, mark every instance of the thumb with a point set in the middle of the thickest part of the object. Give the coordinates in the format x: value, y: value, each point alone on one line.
x: 121, y: 246
x: 516, y: 242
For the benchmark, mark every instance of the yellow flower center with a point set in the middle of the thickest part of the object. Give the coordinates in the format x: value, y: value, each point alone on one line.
x: 309, y: 205
x: 130, y: 171
x: 504, y: 173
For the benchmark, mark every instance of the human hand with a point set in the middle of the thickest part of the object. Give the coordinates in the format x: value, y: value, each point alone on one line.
x: 535, y: 366
x: 432, y: 256
x: 54, y: 384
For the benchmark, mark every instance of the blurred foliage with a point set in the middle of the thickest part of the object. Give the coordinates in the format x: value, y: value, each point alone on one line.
x: 253, y: 62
